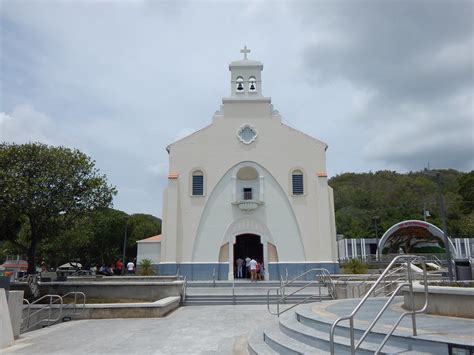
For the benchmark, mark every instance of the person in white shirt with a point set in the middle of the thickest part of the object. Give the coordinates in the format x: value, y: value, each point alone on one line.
x: 253, y: 270
x: 130, y: 267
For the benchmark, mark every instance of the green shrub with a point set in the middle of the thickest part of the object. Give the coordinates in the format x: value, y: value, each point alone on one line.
x: 145, y: 267
x: 354, y: 266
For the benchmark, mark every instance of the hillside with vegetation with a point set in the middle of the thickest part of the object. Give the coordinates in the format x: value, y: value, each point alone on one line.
x: 394, y: 197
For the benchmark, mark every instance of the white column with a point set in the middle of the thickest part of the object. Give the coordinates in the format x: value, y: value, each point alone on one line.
x: 467, y: 245
x: 457, y: 245
x: 362, y: 248
x: 265, y: 259
x: 346, y: 249
x: 231, y: 258
x: 354, y: 248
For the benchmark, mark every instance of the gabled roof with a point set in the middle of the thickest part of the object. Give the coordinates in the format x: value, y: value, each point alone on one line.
x: 305, y: 135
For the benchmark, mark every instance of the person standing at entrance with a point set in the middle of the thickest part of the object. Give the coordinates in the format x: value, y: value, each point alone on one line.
x: 247, y: 267
x: 253, y: 270
x: 240, y: 263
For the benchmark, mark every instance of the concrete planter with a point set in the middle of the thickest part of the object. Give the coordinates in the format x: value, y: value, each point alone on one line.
x: 104, y: 311
x: 443, y: 300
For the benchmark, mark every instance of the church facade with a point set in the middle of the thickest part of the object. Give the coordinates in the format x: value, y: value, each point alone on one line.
x: 247, y: 185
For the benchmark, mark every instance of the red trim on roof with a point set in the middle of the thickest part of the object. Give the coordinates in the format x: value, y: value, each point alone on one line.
x: 155, y: 238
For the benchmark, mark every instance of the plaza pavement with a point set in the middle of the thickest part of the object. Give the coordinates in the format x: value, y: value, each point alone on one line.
x: 188, y: 330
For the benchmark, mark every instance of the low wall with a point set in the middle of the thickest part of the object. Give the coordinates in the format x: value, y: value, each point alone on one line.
x: 130, y: 310
x: 105, y: 311
x: 139, y: 290
x: 445, y: 301
x: 125, y: 278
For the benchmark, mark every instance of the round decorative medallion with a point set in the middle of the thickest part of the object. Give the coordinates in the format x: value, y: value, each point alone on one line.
x: 247, y: 134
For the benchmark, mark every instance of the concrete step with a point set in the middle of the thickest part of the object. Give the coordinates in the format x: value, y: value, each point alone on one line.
x: 321, y: 322
x: 320, y: 340
x: 245, y: 284
x: 243, y: 299
x: 283, y: 344
x: 256, y: 344
x: 305, y: 330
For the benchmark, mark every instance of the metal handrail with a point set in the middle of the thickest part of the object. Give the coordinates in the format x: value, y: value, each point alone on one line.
x: 233, y: 291
x: 281, y: 296
x: 61, y: 306
x: 74, y: 304
x: 183, y: 290
x: 409, y: 284
x: 390, y: 275
x: 47, y: 306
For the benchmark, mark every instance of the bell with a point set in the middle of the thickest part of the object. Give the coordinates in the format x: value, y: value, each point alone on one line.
x: 252, y: 87
x: 240, y: 87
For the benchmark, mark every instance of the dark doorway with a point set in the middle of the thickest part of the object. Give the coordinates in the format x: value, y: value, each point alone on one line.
x: 247, y: 245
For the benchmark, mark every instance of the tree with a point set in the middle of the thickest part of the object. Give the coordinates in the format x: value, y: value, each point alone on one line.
x: 466, y: 190
x: 141, y: 226
x: 395, y: 197
x: 43, y: 189
x: 97, y: 237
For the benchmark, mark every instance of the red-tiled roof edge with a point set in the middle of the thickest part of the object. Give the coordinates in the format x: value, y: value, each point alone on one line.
x: 155, y: 238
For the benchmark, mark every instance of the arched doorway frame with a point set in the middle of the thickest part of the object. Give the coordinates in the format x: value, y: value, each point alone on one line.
x: 247, y: 225
x: 415, y: 223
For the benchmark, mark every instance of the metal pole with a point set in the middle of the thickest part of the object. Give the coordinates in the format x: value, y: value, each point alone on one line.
x: 351, y: 325
x: 377, y: 252
x: 445, y: 226
x: 124, y: 265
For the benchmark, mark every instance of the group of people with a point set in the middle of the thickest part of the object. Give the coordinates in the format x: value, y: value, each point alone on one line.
x: 116, y: 269
x: 249, y: 267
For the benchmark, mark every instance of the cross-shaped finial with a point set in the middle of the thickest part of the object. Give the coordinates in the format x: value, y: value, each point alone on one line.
x: 245, y: 51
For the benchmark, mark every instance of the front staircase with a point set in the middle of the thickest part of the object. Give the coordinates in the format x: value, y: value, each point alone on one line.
x: 305, y: 330
x: 202, y: 293
x: 370, y: 325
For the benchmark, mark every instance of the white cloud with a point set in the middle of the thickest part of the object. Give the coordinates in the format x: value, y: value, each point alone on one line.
x: 25, y: 124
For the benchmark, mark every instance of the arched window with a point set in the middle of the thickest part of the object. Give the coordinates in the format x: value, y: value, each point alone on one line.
x: 240, y: 84
x: 198, y: 183
x: 297, y: 182
x: 252, y: 84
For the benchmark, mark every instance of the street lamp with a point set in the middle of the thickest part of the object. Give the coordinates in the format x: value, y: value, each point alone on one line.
x: 443, y: 220
x: 375, y: 219
x: 124, y: 247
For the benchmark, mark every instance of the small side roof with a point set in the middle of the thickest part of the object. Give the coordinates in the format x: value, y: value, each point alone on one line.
x: 155, y: 238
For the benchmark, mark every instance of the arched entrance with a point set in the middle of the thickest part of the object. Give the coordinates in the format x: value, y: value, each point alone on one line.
x: 414, y: 237
x: 247, y: 245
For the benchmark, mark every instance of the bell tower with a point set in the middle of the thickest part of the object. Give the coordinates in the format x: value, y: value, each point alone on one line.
x: 246, y: 78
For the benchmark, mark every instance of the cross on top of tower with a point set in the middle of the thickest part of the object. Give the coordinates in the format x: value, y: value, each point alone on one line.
x: 245, y: 51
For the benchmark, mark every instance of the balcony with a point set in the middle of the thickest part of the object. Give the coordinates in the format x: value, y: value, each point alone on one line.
x: 248, y: 205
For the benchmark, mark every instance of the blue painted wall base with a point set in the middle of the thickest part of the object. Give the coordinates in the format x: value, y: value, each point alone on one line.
x: 205, y: 271
x: 296, y: 269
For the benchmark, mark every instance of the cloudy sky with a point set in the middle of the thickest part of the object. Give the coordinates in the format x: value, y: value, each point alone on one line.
x: 387, y: 84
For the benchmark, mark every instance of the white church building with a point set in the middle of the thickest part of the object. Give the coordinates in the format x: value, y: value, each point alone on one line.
x: 247, y: 185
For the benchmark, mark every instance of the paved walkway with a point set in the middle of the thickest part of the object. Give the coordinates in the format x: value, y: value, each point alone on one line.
x: 188, y: 330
